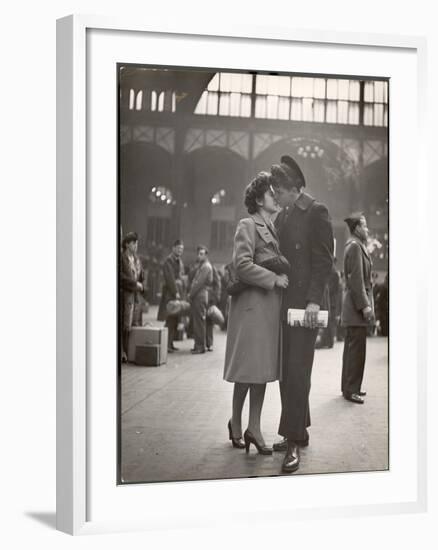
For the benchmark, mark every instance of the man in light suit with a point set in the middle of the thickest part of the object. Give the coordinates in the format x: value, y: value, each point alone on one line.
x: 198, y: 296
x: 357, y: 307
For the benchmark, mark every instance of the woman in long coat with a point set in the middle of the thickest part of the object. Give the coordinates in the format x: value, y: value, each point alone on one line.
x: 253, y: 349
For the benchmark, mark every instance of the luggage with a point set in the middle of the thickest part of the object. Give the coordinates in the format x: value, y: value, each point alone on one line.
x: 215, y: 315
x: 149, y: 356
x: 148, y: 336
x: 177, y: 307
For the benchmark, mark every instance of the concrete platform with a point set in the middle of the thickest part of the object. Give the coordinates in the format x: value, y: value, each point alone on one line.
x: 174, y: 419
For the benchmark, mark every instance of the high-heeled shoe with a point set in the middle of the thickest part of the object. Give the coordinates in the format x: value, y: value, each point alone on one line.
x: 236, y: 441
x: 262, y: 449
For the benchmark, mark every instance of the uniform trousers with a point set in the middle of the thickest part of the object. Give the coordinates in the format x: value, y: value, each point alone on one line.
x: 353, y: 360
x: 199, y: 318
x: 298, y: 353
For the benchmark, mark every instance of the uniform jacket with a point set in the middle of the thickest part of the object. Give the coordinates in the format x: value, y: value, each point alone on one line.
x: 253, y: 349
x: 173, y: 270
x: 201, y: 283
x: 358, y: 292
x: 306, y: 239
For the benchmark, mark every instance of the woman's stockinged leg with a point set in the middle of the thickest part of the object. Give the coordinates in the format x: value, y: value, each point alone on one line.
x: 256, y: 398
x: 239, y: 396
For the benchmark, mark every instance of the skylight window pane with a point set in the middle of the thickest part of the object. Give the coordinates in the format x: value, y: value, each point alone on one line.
x: 318, y: 110
x: 319, y: 87
x: 201, y: 107
x: 343, y: 89
x: 262, y: 84
x: 260, y: 107
x: 224, y: 104
x: 225, y: 82
x: 385, y: 92
x: 213, y: 85
x: 283, y: 85
x: 354, y: 90
x: 272, y: 84
x: 368, y: 115
x: 272, y: 106
x: 369, y: 91
x: 331, y: 111
x: 245, y: 105
x: 332, y: 88
x: 378, y: 114
x: 296, y: 109
x: 246, y: 83
x: 342, y: 112
x: 308, y: 109
x: 235, y: 104
x: 212, y: 103
x: 283, y: 108
x: 353, y: 113
x: 378, y: 92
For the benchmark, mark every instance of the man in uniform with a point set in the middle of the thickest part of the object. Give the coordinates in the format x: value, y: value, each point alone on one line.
x: 198, y: 296
x: 173, y: 272
x: 306, y: 239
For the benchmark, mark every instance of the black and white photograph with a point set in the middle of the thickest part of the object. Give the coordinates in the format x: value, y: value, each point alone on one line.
x: 253, y: 273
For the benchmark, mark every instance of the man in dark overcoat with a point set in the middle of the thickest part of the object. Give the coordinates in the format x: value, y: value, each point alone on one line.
x: 173, y: 272
x: 357, y: 307
x: 306, y: 239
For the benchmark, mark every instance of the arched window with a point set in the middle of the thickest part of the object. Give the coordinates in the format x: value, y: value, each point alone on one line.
x: 139, y: 100
x: 131, y: 99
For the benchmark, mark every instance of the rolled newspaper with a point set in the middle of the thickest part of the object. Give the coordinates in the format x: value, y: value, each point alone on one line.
x: 295, y: 318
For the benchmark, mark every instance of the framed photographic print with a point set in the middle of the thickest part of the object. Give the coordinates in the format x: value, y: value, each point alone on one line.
x: 230, y: 204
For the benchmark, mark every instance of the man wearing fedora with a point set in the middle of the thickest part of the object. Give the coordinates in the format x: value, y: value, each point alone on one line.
x: 306, y: 240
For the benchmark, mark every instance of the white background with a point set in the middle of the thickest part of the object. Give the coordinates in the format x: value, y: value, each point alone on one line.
x: 27, y: 401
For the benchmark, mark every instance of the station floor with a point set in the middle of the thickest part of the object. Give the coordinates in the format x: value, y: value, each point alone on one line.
x: 174, y: 419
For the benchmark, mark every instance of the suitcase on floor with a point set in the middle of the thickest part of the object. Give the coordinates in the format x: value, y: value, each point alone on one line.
x: 149, y: 356
x: 147, y: 336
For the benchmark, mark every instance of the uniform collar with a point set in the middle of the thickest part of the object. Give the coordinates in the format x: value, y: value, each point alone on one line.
x: 355, y: 239
x: 304, y: 201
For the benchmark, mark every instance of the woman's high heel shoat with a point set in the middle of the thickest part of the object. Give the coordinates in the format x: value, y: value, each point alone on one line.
x: 262, y: 449
x: 237, y: 442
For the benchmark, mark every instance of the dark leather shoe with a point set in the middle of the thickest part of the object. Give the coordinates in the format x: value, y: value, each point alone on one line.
x: 170, y: 350
x: 354, y: 398
x: 197, y: 351
x: 291, y: 459
x: 362, y: 393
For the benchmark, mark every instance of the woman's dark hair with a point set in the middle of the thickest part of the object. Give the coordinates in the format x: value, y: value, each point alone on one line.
x: 256, y: 190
